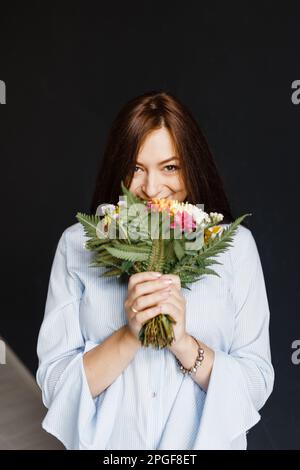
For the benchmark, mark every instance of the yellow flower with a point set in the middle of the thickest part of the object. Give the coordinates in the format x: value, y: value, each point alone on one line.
x: 211, y: 231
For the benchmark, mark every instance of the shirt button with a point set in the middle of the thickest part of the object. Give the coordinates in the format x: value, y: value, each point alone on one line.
x: 153, y: 394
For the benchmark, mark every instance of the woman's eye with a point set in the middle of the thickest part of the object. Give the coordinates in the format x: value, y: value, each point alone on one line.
x: 172, y: 166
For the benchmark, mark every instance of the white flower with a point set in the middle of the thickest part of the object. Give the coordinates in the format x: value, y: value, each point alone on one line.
x: 216, y: 217
x: 107, y: 209
x: 197, y: 213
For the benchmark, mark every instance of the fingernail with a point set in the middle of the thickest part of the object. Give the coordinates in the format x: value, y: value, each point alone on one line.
x: 157, y: 274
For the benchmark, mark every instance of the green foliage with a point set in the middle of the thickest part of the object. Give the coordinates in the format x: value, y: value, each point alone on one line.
x: 131, y: 198
x: 89, y: 223
x: 129, y: 253
x: 179, y: 248
x: 156, y: 254
x: 153, y: 252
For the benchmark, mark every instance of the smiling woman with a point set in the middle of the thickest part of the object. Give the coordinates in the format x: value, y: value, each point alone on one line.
x: 157, y: 148
x: 102, y: 388
x: 155, y: 176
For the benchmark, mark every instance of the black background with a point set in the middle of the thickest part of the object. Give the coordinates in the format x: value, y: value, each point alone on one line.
x: 69, y: 67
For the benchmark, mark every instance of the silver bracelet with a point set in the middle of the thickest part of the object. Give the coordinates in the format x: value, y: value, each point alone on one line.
x: 198, y: 361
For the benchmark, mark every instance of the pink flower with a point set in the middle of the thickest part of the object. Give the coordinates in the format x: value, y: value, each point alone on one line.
x: 184, y: 220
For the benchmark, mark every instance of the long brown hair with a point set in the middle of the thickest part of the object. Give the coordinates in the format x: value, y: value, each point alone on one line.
x: 131, y: 126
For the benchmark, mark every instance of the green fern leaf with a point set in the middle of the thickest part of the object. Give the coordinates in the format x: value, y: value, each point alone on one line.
x: 89, y: 223
x: 131, y: 198
x: 127, y: 254
x: 178, y: 248
x: 112, y: 272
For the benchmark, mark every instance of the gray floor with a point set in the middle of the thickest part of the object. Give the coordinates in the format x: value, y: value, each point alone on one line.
x: 21, y: 408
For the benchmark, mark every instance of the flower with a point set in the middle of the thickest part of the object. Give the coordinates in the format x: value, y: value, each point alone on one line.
x: 129, y: 255
x: 161, y: 205
x: 198, y: 214
x: 184, y: 220
x: 216, y: 217
x: 212, y: 232
x: 107, y: 209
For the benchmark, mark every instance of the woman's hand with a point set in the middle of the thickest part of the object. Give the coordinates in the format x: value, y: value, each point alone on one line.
x: 146, y: 291
x: 175, y: 306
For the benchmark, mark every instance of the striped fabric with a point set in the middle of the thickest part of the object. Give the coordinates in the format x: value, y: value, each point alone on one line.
x: 152, y: 405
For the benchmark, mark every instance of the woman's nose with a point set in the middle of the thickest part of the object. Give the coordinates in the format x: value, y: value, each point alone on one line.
x: 151, y: 187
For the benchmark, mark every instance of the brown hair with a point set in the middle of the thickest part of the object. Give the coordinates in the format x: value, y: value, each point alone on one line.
x: 131, y: 126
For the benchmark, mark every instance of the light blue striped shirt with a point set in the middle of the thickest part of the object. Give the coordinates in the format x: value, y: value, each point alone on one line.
x: 152, y: 405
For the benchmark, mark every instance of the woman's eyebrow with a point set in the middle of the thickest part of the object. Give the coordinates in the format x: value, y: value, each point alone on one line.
x: 164, y: 161
x: 169, y: 159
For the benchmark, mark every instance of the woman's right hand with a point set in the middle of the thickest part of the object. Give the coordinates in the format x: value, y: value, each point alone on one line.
x: 145, y: 291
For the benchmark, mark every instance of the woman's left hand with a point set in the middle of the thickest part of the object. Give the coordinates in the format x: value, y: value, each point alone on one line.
x: 175, y: 306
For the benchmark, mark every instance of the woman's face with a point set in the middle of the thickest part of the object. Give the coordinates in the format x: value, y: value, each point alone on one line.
x: 158, y: 172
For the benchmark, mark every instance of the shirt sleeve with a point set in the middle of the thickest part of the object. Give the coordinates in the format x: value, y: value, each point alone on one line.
x: 241, y: 379
x: 74, y: 416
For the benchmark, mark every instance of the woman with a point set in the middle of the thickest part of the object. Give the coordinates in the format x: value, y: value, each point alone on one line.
x: 103, y: 390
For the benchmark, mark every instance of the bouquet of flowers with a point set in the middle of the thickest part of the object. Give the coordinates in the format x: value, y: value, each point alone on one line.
x: 158, y: 235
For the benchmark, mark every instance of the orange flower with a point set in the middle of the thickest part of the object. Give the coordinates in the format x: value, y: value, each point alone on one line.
x: 162, y: 204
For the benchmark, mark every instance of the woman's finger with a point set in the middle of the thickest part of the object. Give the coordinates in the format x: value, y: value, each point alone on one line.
x: 168, y: 308
x: 175, y: 278
x: 150, y: 300
x: 176, y: 296
x: 142, y: 277
x: 149, y: 287
x: 143, y: 317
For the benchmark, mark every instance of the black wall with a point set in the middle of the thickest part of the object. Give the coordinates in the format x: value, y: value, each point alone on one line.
x: 68, y: 68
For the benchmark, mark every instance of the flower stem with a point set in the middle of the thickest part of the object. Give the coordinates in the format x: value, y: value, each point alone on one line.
x: 158, y: 331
